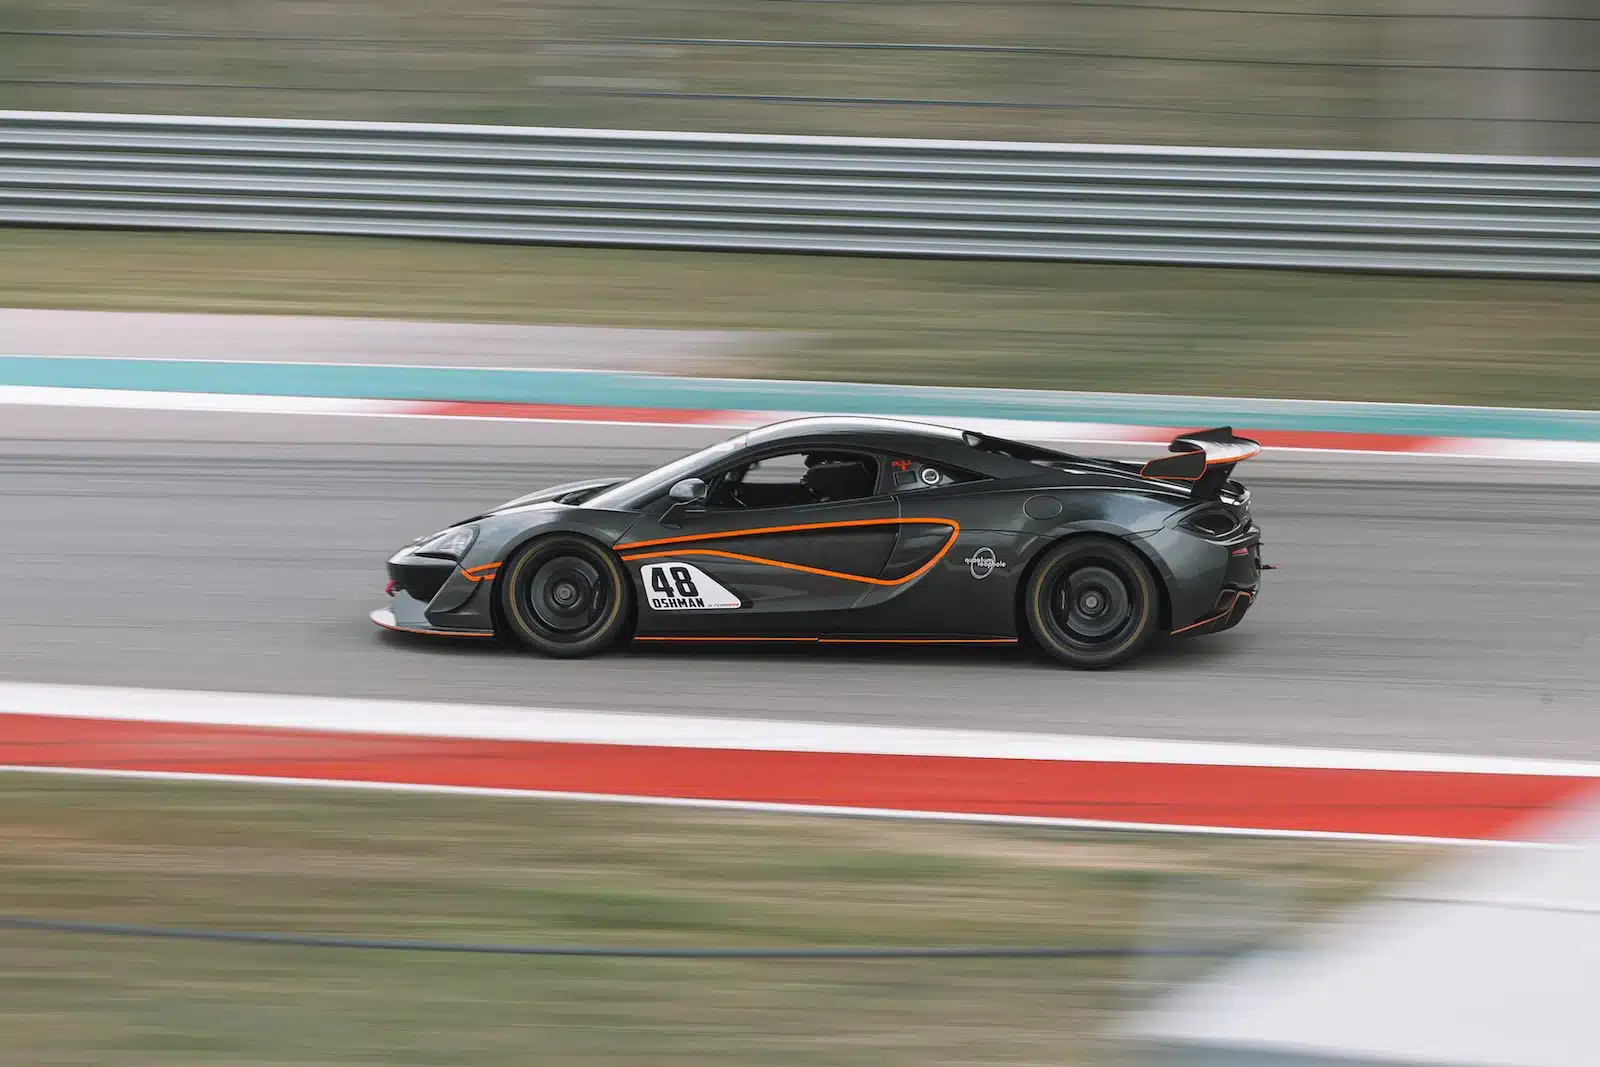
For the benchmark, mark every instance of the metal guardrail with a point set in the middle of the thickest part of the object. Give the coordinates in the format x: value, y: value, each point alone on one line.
x: 1022, y: 201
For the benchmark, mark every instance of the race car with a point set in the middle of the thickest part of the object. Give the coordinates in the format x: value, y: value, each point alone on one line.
x: 854, y: 530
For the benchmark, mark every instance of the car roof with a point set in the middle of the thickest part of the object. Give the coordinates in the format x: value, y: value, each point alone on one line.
x: 821, y: 425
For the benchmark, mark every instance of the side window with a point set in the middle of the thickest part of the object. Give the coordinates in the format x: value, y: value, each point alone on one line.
x: 794, y: 479
x: 907, y: 475
x: 776, y: 470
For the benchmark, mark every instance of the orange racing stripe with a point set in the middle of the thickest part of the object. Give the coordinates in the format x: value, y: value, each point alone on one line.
x: 484, y: 572
x: 758, y: 530
x: 955, y: 532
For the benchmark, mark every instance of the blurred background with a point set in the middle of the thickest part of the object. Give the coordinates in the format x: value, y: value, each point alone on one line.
x: 1508, y: 76
x: 1520, y: 77
x: 1444, y: 610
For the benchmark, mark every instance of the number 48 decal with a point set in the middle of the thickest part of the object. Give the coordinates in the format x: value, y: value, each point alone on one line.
x: 683, y: 587
x: 681, y: 584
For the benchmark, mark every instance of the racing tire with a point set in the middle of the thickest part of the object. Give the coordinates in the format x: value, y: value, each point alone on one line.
x: 564, y: 596
x: 1092, y: 603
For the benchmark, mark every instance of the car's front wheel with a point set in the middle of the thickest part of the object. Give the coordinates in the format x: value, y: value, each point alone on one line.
x: 565, y: 595
x: 1092, y: 602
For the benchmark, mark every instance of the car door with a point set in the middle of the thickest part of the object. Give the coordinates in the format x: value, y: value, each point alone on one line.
x: 953, y: 571
x: 785, y: 545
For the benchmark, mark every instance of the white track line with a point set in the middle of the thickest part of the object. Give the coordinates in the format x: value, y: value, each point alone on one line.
x: 151, y: 400
x: 1514, y: 449
x: 488, y: 722
x: 1093, y: 434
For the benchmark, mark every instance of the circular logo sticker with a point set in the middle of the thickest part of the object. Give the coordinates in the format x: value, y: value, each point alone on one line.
x: 983, y: 562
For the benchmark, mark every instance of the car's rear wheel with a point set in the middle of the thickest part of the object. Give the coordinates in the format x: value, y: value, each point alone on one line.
x: 565, y: 595
x: 1092, y: 602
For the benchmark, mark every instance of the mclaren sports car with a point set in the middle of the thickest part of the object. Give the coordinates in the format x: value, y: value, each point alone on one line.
x: 866, y: 530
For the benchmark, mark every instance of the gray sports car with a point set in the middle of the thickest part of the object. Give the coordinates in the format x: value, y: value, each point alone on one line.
x: 862, y: 530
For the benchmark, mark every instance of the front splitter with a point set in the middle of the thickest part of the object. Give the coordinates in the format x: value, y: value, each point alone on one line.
x: 385, y: 618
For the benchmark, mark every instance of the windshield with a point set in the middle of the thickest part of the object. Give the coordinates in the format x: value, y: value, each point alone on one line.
x: 635, y: 491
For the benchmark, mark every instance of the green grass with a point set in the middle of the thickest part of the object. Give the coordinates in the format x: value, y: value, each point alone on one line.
x: 500, y: 62
x: 1067, y: 326
x: 486, y: 870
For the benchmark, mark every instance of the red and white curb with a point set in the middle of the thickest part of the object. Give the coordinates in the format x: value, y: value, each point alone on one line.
x: 754, y: 764
x: 1514, y: 449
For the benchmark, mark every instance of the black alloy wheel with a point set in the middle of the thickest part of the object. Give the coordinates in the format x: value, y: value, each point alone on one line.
x: 1092, y: 603
x: 565, y: 596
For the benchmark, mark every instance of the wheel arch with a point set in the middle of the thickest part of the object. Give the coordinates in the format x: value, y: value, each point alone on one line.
x: 1140, y: 548
x: 525, y: 542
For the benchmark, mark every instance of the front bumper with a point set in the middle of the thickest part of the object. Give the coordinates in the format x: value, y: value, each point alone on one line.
x: 438, y: 597
x: 406, y: 614
x: 386, y: 619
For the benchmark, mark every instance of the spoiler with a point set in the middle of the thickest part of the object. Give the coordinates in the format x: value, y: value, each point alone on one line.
x: 1205, y: 457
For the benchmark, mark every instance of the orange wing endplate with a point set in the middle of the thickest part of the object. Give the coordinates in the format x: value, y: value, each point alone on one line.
x: 1199, y: 452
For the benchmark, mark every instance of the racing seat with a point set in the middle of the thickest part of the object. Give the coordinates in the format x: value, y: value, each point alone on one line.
x: 833, y: 479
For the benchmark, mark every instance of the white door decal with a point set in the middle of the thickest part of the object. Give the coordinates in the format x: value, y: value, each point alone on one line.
x: 683, y: 587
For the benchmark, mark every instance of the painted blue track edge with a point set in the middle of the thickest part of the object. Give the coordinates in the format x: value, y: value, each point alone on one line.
x: 615, y: 389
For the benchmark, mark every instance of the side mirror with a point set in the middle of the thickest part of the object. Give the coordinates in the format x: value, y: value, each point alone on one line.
x: 688, y: 491
x: 687, y: 495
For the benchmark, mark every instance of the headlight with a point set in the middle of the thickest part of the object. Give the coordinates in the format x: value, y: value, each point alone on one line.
x: 449, y: 544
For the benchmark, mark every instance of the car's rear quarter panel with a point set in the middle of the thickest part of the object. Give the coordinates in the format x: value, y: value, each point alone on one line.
x: 951, y: 598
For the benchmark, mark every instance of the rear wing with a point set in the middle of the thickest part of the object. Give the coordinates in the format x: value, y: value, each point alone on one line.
x: 1204, y: 457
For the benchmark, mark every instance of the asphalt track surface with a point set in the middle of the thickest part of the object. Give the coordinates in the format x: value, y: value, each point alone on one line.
x: 1421, y: 605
